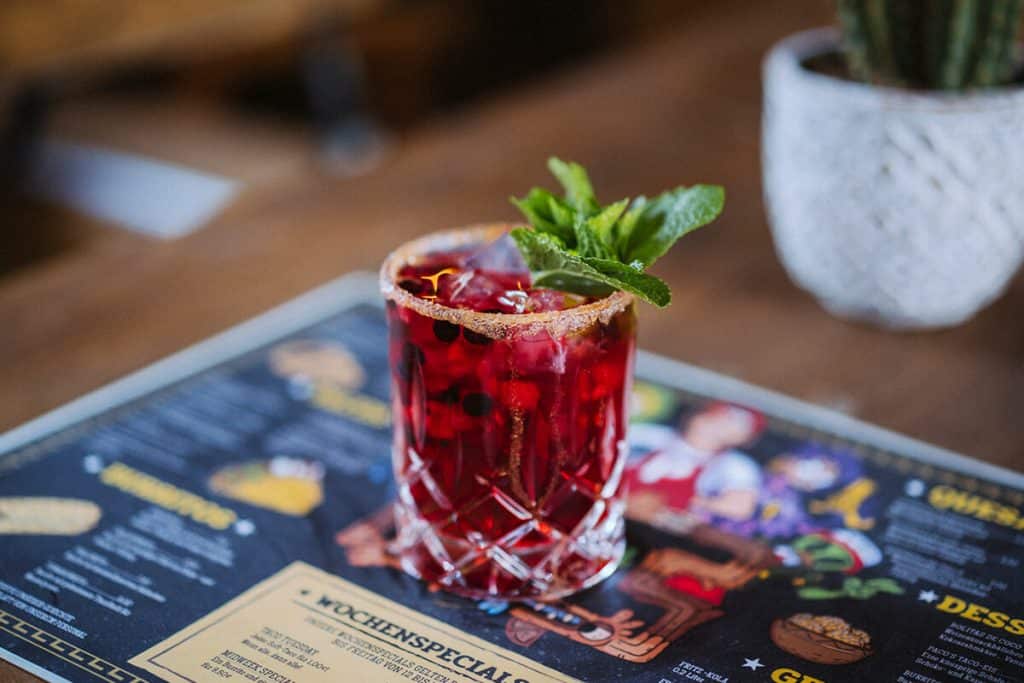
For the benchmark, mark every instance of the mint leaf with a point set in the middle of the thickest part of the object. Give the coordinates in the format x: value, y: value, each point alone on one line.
x: 660, y: 222
x: 545, y: 213
x: 579, y: 193
x: 587, y: 241
x: 595, y: 236
x: 604, y: 223
x: 647, y: 287
x: 627, y: 224
x: 578, y: 246
x: 540, y: 251
x: 572, y: 282
x: 554, y: 267
x: 561, y: 213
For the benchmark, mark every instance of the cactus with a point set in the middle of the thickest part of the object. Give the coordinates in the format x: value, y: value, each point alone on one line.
x: 931, y: 44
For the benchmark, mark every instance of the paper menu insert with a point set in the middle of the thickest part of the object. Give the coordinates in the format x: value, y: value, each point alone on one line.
x: 303, y: 624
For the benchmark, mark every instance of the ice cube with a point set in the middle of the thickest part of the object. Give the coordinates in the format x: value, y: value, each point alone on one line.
x: 500, y: 256
x: 454, y: 288
x: 493, y: 279
x: 514, y: 299
x: 486, y: 291
x: 545, y: 300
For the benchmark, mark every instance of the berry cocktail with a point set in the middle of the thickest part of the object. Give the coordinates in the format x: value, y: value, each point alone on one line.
x: 511, y: 362
x: 510, y: 411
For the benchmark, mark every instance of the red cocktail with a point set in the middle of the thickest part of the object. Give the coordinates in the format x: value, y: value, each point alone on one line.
x: 510, y: 412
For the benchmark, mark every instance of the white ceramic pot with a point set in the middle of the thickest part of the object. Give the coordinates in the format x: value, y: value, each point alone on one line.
x: 902, y: 208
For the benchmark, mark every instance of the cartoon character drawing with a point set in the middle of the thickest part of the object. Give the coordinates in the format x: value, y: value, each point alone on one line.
x: 695, y: 474
x: 814, y: 558
x: 848, y: 503
x: 696, y: 484
x: 612, y: 635
x: 784, y: 507
x: 836, y: 550
x: 687, y: 587
x: 690, y: 589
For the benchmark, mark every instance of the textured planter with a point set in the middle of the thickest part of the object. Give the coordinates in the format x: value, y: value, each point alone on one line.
x: 902, y: 208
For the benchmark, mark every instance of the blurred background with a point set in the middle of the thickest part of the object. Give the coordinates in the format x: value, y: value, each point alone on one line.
x: 254, y: 90
x: 170, y: 169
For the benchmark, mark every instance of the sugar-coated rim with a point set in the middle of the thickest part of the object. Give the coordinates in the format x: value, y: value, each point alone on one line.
x: 493, y: 325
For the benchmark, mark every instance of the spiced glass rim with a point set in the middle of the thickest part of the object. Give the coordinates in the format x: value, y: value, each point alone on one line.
x: 494, y: 325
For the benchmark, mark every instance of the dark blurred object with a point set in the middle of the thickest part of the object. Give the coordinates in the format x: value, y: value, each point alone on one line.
x: 424, y: 57
x: 334, y: 84
x: 265, y: 91
x: 53, y: 50
x: 333, y: 65
x: 22, y: 120
x: 514, y: 41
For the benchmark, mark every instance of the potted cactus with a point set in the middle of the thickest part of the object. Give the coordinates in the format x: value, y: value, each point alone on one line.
x: 893, y: 158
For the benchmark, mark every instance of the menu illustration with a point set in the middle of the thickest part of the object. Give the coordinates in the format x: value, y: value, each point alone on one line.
x: 225, y: 516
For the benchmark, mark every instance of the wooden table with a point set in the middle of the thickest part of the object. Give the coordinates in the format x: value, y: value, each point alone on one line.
x: 681, y: 110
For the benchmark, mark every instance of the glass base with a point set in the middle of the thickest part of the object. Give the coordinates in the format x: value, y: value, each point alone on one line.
x: 533, y: 561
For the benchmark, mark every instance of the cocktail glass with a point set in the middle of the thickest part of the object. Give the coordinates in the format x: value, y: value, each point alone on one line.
x: 509, y: 436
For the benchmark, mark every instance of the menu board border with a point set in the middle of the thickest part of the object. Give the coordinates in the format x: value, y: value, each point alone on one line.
x: 361, y: 288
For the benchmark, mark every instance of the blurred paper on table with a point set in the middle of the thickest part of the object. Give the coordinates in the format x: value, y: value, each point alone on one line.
x: 140, y: 193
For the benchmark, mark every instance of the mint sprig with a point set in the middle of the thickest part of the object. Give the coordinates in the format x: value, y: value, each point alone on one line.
x: 578, y: 246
